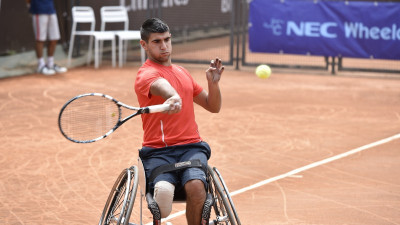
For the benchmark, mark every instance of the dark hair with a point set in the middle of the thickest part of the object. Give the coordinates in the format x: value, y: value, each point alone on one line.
x: 153, y: 25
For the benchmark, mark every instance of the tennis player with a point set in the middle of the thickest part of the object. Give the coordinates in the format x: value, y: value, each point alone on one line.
x: 173, y: 136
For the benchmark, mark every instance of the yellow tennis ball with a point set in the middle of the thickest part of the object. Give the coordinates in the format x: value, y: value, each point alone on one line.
x: 263, y: 71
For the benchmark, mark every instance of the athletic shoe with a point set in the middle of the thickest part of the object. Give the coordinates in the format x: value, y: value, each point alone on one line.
x: 59, y: 69
x: 46, y: 71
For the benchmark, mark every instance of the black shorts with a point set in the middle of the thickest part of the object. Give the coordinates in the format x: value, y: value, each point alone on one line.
x: 155, y: 157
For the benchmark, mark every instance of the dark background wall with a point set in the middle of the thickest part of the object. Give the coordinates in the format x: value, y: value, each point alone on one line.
x: 16, y: 32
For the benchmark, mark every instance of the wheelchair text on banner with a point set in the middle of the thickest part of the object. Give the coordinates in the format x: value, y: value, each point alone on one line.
x: 326, y: 28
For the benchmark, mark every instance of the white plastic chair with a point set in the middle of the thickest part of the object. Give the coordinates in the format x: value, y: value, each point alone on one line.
x: 85, y: 14
x: 118, y: 14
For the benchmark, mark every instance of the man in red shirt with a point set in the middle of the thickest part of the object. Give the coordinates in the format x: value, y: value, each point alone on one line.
x: 173, y: 136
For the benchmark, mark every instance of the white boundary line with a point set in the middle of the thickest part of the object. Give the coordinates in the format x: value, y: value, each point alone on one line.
x: 315, y: 164
x: 301, y: 169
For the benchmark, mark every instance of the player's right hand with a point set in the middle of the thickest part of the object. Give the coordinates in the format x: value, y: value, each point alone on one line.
x: 175, y: 103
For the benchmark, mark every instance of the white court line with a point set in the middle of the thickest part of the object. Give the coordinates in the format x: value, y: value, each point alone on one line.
x: 301, y: 169
x: 315, y: 164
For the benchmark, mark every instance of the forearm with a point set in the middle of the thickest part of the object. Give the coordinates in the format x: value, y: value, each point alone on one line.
x: 211, y: 101
x: 214, y: 99
x: 163, y: 88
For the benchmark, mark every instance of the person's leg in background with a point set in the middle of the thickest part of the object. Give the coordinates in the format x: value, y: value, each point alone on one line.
x: 54, y: 36
x: 40, y: 30
x: 39, y: 54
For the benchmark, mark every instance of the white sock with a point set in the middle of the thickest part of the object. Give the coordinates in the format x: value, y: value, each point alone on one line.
x: 50, y: 61
x: 41, y: 63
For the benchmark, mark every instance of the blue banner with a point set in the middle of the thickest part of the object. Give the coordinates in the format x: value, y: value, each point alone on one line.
x: 327, y: 28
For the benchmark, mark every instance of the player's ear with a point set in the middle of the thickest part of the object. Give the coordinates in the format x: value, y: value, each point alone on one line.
x: 143, y: 44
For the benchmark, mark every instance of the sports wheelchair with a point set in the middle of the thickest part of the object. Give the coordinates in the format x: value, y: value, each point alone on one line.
x: 218, y: 207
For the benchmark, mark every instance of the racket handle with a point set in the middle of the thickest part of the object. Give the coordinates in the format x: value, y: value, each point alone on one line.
x: 158, y: 108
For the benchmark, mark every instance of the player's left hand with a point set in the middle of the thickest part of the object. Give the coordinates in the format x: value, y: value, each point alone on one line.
x: 215, y: 70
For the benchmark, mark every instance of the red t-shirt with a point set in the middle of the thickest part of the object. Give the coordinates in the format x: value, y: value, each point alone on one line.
x: 161, y: 129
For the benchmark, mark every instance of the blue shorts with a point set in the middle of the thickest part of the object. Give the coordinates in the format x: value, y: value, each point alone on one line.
x: 155, y: 157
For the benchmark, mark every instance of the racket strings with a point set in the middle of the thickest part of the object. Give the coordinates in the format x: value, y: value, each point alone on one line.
x: 89, y: 118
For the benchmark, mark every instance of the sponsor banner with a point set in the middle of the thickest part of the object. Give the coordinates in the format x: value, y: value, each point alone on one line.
x: 348, y: 29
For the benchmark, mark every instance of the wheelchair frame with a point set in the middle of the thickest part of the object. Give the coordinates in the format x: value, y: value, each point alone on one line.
x: 119, y: 205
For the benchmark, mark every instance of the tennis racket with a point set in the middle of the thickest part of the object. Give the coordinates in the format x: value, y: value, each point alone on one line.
x: 91, y: 117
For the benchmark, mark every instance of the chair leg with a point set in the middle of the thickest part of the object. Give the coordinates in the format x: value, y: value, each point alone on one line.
x: 113, y: 52
x: 120, y: 52
x: 126, y: 43
x: 143, y: 54
x: 71, y: 47
x: 101, y: 51
x: 96, y: 53
x: 90, y: 50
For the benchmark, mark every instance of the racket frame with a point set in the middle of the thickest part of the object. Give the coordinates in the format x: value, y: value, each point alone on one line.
x: 139, y: 111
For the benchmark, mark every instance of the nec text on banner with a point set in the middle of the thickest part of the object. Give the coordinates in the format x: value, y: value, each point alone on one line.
x: 352, y: 29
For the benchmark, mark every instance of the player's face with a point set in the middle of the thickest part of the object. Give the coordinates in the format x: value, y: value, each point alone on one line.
x: 159, y: 48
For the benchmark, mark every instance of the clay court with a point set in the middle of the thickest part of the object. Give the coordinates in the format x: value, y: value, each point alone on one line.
x: 281, y: 135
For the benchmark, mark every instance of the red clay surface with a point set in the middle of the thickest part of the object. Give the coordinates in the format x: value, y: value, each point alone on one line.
x: 266, y: 128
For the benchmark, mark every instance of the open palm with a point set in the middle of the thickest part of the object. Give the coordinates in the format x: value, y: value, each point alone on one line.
x: 215, y: 70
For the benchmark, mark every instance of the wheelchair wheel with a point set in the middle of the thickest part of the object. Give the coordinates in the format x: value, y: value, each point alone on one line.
x: 223, y: 206
x: 120, y: 202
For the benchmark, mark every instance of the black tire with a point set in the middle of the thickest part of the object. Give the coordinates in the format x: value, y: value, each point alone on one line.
x: 221, y: 207
x: 228, y: 195
x: 120, y: 202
